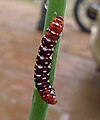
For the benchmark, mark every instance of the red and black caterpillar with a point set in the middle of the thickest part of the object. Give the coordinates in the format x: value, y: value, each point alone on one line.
x: 44, y: 58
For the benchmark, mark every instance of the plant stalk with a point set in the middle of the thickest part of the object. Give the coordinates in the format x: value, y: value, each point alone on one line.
x: 39, y: 108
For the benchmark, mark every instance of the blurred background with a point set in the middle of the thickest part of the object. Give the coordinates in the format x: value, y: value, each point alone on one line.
x: 77, y: 79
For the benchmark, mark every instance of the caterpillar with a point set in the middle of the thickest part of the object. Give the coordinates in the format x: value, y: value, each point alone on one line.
x: 44, y: 58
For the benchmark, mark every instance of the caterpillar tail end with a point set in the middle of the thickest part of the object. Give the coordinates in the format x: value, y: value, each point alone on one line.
x: 48, y: 98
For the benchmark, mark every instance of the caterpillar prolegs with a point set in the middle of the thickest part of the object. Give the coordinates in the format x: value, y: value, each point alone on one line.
x: 44, y: 58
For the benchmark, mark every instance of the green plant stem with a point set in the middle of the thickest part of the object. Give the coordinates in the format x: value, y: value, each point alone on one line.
x: 39, y: 107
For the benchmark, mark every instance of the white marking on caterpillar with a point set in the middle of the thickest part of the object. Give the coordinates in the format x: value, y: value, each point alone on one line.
x: 41, y: 57
x: 39, y: 66
x: 53, y: 32
x: 37, y: 75
x: 39, y: 83
x: 48, y: 81
x: 45, y: 88
x: 57, y: 24
x: 45, y: 49
x: 52, y: 92
x: 50, y: 86
x: 49, y: 66
x: 46, y: 62
x: 48, y: 54
x: 59, y: 19
x: 43, y: 96
x: 44, y: 78
x: 51, y: 45
x: 41, y: 90
x: 50, y: 57
x: 47, y: 94
x: 44, y: 71
x: 48, y: 40
x: 54, y: 96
